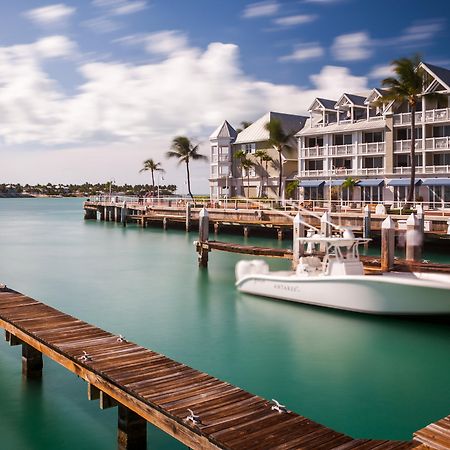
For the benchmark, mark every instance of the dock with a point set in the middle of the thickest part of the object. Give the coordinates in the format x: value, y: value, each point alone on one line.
x: 195, y: 408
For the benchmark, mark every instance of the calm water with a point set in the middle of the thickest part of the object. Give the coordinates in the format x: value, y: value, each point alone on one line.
x: 366, y: 376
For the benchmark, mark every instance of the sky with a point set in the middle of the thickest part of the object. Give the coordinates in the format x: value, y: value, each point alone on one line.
x: 89, y: 89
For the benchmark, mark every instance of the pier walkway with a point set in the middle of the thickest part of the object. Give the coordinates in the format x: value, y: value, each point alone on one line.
x: 198, y: 409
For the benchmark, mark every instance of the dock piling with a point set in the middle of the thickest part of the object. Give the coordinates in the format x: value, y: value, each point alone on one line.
x: 414, y: 238
x: 203, y: 237
x: 325, y: 228
x: 387, y: 244
x: 31, y: 362
x: 366, y: 222
x: 188, y: 216
x: 132, y: 430
x: 298, y: 232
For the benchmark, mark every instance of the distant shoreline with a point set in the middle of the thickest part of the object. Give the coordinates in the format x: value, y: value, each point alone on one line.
x: 16, y: 195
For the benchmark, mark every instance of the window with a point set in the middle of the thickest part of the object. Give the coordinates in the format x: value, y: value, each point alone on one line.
x: 404, y: 134
x: 214, y: 171
x: 441, y: 131
x: 371, y: 162
x: 373, y: 136
x: 342, y: 139
x: 441, y: 159
x: 314, y: 142
x: 249, y: 148
x: 405, y: 160
x: 342, y: 163
x: 313, y: 193
x: 224, y: 170
x: 314, y: 164
x: 214, y: 153
x: 372, y: 193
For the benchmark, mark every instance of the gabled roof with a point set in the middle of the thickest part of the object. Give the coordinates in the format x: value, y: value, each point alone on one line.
x: 355, y: 100
x: 324, y: 103
x: 257, y: 132
x: 441, y: 74
x: 374, y: 94
x: 225, y: 130
x: 378, y: 123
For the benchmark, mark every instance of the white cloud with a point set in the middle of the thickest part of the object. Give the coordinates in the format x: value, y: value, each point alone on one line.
x: 303, y: 52
x: 121, y: 7
x: 352, y: 47
x: 381, y: 72
x: 137, y: 107
x: 420, y: 33
x: 129, y: 8
x: 261, y: 9
x: 166, y: 42
x: 300, y: 19
x: 102, y: 25
x: 50, y: 15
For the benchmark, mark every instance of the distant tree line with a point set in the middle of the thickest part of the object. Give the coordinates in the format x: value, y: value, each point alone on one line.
x: 86, y: 189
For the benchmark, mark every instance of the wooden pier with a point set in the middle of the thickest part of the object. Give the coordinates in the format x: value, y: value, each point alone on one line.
x: 195, y: 408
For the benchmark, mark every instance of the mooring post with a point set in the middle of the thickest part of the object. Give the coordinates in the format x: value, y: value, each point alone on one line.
x: 366, y: 222
x: 448, y: 226
x: 123, y: 214
x: 325, y: 228
x: 188, y: 216
x: 31, y: 362
x: 280, y: 234
x: 132, y: 430
x: 216, y: 227
x: 246, y: 232
x: 298, y: 231
x: 203, y: 237
x: 387, y: 244
x: 165, y: 223
x: 414, y: 238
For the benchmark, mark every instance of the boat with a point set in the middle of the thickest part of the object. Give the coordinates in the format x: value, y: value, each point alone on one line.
x: 337, y: 280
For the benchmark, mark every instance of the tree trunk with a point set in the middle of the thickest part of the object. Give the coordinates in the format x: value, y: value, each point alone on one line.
x: 153, y: 183
x: 412, y: 180
x: 248, y: 184
x: 189, y: 181
x: 280, y: 177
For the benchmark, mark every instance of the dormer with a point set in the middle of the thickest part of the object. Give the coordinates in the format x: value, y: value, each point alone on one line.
x: 351, y: 107
x: 372, y: 102
x: 436, y: 79
x: 322, y: 112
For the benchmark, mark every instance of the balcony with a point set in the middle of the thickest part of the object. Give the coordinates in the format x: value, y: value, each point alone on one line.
x: 437, y: 169
x: 371, y: 171
x: 405, y: 146
x: 313, y: 152
x: 372, y: 147
x: 327, y: 173
x: 431, y: 116
x: 338, y: 150
x: 439, y: 143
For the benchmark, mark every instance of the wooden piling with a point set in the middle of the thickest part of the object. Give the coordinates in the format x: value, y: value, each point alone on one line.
x: 325, y: 228
x: 132, y: 430
x: 123, y: 214
x: 246, y: 232
x: 414, y: 238
x: 188, y: 216
x: 31, y: 362
x: 165, y: 223
x: 203, y: 237
x: 280, y: 234
x: 216, y: 227
x: 387, y: 244
x: 298, y: 231
x: 366, y: 222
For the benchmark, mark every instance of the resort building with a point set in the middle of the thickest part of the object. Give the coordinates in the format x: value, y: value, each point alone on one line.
x: 357, y: 137
x: 354, y: 137
x: 228, y: 179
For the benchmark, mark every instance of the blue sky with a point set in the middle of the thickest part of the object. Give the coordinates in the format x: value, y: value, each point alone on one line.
x: 113, y: 81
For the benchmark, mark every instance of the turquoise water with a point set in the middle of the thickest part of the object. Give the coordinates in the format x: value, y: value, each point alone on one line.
x: 362, y: 375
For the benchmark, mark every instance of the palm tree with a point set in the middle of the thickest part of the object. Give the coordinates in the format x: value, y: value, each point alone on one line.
x: 280, y: 141
x: 407, y: 86
x: 349, y: 183
x: 267, y: 159
x: 246, y: 164
x: 261, y: 154
x: 185, y: 151
x: 153, y: 167
x: 244, y: 124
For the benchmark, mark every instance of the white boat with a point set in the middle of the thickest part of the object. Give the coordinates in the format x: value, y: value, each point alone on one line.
x: 338, y: 281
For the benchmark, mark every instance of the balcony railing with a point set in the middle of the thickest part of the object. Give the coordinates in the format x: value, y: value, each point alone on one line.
x: 335, y: 150
x: 372, y: 147
x: 405, y: 146
x: 312, y: 152
x: 437, y: 169
x: 439, y: 143
x: 371, y: 171
x: 430, y: 116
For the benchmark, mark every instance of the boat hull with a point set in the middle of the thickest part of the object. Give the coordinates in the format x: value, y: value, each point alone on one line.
x: 376, y: 294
